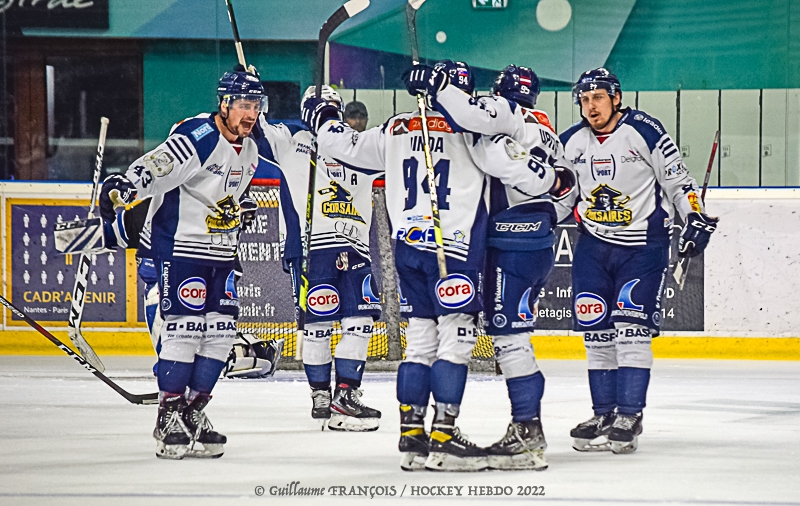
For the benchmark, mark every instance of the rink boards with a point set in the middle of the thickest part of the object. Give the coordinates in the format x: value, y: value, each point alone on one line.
x: 747, y: 283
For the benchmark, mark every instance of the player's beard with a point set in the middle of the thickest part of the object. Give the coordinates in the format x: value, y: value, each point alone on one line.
x: 243, y: 128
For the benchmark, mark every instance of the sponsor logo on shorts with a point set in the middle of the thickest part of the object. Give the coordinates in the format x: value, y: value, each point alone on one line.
x: 589, y: 308
x: 323, y: 300
x: 166, y: 305
x: 657, y: 318
x: 455, y: 291
x: 230, y: 286
x: 192, y: 293
x: 624, y: 300
x: 366, y: 291
x: 524, y: 308
x: 499, y: 320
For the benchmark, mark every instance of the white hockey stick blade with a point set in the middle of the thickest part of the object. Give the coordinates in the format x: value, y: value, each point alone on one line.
x: 85, y: 349
x: 353, y: 7
x: 79, y: 236
x: 416, y: 4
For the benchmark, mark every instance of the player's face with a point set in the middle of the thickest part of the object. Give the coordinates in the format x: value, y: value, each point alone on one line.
x: 357, y: 124
x: 598, y: 107
x: 242, y: 116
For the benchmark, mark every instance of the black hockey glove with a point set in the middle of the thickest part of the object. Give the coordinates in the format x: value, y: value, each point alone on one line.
x: 247, y: 208
x: 316, y: 111
x: 695, y: 234
x: 416, y: 79
x: 564, y: 183
x: 439, y: 78
x: 117, y: 191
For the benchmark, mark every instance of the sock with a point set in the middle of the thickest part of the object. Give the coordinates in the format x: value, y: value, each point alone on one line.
x: 603, y: 385
x: 632, y: 385
x: 319, y: 376
x: 174, y: 376
x: 448, y: 381
x: 205, y: 373
x: 525, y: 394
x: 349, y: 371
x: 413, y: 384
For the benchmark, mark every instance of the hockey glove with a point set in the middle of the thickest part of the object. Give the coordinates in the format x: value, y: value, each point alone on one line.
x: 695, y: 234
x: 117, y: 191
x: 248, y: 208
x: 439, y: 78
x: 565, y: 182
x: 416, y: 79
x: 316, y: 111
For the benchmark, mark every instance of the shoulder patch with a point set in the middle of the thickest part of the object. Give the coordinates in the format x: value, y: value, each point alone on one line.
x: 543, y: 119
x: 201, y: 131
x: 648, y: 127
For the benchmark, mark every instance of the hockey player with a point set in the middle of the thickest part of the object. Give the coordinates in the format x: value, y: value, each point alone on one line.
x: 341, y: 287
x: 441, y: 313
x: 520, y: 250
x: 630, y: 179
x: 195, y: 179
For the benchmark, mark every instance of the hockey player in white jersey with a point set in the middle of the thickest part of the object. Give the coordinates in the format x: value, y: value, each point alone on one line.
x: 195, y: 179
x: 520, y: 248
x: 630, y: 180
x: 441, y: 313
x: 341, y: 287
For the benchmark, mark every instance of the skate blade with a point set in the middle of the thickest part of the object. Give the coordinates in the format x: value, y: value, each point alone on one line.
x: 586, y: 445
x: 323, y: 422
x: 410, y: 461
x: 344, y: 423
x: 208, y: 451
x: 531, y: 461
x: 623, y: 447
x: 452, y: 463
x: 171, y: 452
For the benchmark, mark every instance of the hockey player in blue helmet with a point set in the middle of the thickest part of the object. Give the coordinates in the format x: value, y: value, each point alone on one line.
x: 191, y: 233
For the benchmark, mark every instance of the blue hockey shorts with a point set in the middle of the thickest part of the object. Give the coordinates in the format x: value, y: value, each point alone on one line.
x: 190, y: 289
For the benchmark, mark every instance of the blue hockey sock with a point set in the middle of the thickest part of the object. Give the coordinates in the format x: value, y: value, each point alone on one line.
x: 319, y: 376
x: 174, y: 376
x: 603, y: 385
x: 349, y: 371
x: 632, y: 385
x: 205, y: 374
x: 525, y: 394
x: 448, y: 381
x: 413, y: 384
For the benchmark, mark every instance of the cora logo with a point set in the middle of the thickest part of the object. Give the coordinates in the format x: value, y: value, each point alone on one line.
x: 192, y: 293
x: 323, y: 300
x: 589, y: 308
x: 455, y: 291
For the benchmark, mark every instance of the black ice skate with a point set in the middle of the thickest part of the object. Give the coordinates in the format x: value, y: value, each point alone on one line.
x: 348, y: 413
x: 624, y: 434
x: 201, y: 431
x: 596, y: 427
x: 171, y: 436
x: 450, y: 450
x: 414, y: 440
x: 522, y: 447
x: 321, y: 410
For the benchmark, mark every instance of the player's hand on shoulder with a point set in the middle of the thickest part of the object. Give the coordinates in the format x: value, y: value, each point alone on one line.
x: 696, y: 234
x: 317, y: 111
x: 564, y: 183
x: 117, y: 191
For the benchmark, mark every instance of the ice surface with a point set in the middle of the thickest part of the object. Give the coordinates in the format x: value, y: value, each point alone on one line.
x: 715, y: 432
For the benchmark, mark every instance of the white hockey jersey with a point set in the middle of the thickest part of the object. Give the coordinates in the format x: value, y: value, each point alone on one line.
x: 342, y: 200
x: 459, y: 161
x: 629, y: 185
x: 195, y: 179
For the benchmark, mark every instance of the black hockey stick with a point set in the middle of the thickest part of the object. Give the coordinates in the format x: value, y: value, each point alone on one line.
x: 682, y: 267
x: 236, y: 40
x: 411, y: 20
x: 342, y: 14
x: 132, y: 398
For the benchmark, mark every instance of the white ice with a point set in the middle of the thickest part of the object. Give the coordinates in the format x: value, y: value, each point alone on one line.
x: 715, y: 433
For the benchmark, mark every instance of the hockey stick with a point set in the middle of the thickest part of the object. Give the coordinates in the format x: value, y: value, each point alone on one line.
x: 132, y: 398
x: 236, y: 40
x: 682, y: 267
x: 84, y: 266
x: 342, y: 14
x: 411, y: 20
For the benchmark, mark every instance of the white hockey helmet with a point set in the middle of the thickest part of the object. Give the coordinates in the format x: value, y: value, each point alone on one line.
x: 328, y: 94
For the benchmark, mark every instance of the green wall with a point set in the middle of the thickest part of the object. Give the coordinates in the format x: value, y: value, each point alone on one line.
x: 180, y: 77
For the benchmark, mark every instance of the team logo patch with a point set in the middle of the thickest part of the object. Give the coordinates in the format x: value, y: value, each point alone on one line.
x: 524, y: 308
x: 160, y: 163
x: 589, y: 308
x: 340, y: 204
x: 192, y: 293
x: 323, y: 300
x: 603, y: 167
x: 607, y: 207
x: 225, y: 218
x: 455, y: 291
x: 624, y: 300
x: 366, y: 291
x: 230, y: 286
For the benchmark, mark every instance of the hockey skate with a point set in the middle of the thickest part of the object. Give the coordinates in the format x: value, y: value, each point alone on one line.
x: 522, y: 447
x: 585, y: 433
x: 349, y: 414
x: 450, y: 450
x: 321, y: 410
x: 624, y: 433
x: 171, y: 436
x: 414, y: 440
x: 201, y: 431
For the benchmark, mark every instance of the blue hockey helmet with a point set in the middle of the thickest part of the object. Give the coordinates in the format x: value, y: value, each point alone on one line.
x: 595, y: 79
x: 518, y: 84
x: 241, y: 84
x: 460, y: 75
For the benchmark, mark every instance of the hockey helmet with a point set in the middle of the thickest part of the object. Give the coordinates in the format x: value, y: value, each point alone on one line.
x: 328, y: 94
x: 595, y: 79
x: 460, y: 75
x: 240, y: 84
x: 518, y: 84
